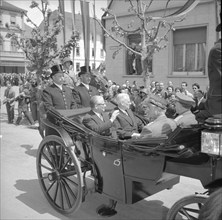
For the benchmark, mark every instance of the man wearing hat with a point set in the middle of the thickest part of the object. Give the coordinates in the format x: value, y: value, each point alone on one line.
x: 159, y: 124
x: 183, y: 104
x: 69, y: 76
x: 84, y: 91
x: 57, y: 95
x: 213, y: 104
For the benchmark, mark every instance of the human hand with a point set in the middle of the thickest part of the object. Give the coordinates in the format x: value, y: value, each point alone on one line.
x: 114, y: 115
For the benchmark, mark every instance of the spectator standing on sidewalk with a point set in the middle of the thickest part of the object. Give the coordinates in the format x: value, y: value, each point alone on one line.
x: 9, y: 98
x: 23, y: 100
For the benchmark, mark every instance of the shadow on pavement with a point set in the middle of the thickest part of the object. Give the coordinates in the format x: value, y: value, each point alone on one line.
x: 34, y: 198
x: 29, y: 150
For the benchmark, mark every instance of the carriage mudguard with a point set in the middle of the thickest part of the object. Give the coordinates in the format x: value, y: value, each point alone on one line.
x: 62, y: 132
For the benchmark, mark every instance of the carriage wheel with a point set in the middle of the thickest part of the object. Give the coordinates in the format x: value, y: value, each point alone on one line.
x: 188, y: 207
x: 60, y: 175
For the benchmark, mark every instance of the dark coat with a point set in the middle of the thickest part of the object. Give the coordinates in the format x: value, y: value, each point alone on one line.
x: 54, y: 97
x: 82, y: 95
x: 214, y: 96
x: 94, y: 123
x: 126, y: 125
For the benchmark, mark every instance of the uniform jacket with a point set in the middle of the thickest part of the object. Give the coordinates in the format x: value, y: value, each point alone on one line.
x: 186, y: 119
x: 94, y: 123
x: 126, y: 125
x: 160, y: 126
x: 82, y: 95
x: 214, y: 96
x: 54, y: 97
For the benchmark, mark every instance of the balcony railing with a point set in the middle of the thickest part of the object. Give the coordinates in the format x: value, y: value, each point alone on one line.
x: 12, y: 54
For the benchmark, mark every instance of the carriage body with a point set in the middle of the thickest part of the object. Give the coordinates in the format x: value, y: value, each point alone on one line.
x: 124, y: 170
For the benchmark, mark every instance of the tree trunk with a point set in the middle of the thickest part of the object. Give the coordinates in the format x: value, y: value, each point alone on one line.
x: 146, y: 74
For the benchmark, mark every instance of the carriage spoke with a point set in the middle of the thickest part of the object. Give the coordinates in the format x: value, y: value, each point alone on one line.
x: 51, y: 186
x: 66, y: 194
x: 70, y: 190
x: 51, y: 156
x: 48, y: 160
x: 56, y: 155
x: 74, y: 183
x: 55, y: 196
x: 64, y: 165
x: 184, y: 212
x: 61, y: 194
x: 46, y: 167
x: 61, y: 156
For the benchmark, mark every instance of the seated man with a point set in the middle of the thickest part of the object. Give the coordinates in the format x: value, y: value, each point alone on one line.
x: 98, y: 120
x: 160, y: 125
x: 126, y: 123
x: 183, y: 104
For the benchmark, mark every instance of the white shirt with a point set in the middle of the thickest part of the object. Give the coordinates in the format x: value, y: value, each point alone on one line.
x: 86, y: 85
x: 99, y: 115
x: 60, y: 86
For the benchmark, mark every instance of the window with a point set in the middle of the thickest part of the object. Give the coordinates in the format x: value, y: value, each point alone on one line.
x: 77, y: 51
x: 133, y: 61
x: 101, y: 53
x: 1, y: 43
x: 13, y: 20
x: 189, y: 51
x: 93, y: 53
x: 77, y: 67
x: 13, y: 45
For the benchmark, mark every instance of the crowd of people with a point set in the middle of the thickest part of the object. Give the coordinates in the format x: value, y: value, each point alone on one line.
x: 156, y: 107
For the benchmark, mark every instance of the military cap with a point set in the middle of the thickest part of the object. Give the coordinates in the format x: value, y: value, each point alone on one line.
x: 67, y: 59
x: 83, y: 70
x: 144, y: 91
x: 56, y: 69
x: 184, y: 99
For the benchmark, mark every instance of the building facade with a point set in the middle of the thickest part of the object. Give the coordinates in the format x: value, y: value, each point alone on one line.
x: 12, y: 59
x: 97, y: 53
x: 186, y: 53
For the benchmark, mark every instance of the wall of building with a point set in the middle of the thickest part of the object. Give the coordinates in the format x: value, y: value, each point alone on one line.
x: 202, y: 15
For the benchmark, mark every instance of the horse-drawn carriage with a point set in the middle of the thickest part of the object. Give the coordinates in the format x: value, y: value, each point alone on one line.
x: 76, y: 160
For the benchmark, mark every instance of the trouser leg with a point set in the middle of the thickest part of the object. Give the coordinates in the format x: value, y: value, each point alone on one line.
x: 19, y: 116
x: 8, y: 111
x: 12, y: 113
x: 29, y: 117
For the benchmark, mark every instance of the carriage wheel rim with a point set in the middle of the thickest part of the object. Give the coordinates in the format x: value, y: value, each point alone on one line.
x: 59, y: 178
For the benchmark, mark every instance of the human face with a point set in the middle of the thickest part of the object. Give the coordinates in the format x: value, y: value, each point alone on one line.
x: 85, y: 78
x: 179, y: 109
x: 183, y: 86
x: 195, y: 88
x: 100, y: 106
x: 67, y: 65
x: 169, y: 89
x: 58, y: 78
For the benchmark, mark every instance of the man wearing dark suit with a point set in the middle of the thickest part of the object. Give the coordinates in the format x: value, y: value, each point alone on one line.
x: 57, y: 95
x: 84, y: 91
x: 127, y: 125
x: 98, y: 120
x: 213, y: 104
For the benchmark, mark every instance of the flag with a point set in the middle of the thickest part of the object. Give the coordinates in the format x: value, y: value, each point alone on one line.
x: 86, y: 30
x: 94, y: 32
x: 73, y: 14
x: 62, y: 11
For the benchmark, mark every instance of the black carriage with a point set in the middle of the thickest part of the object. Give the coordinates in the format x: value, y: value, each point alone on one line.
x: 75, y: 160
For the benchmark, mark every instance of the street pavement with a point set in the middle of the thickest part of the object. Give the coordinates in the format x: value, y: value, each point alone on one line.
x: 22, y: 198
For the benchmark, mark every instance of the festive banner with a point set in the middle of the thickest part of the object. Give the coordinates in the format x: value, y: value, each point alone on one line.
x: 86, y: 30
x: 62, y: 11
x: 94, y: 32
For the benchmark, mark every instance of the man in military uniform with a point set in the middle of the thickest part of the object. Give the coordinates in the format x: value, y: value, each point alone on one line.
x: 84, y: 91
x: 183, y: 104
